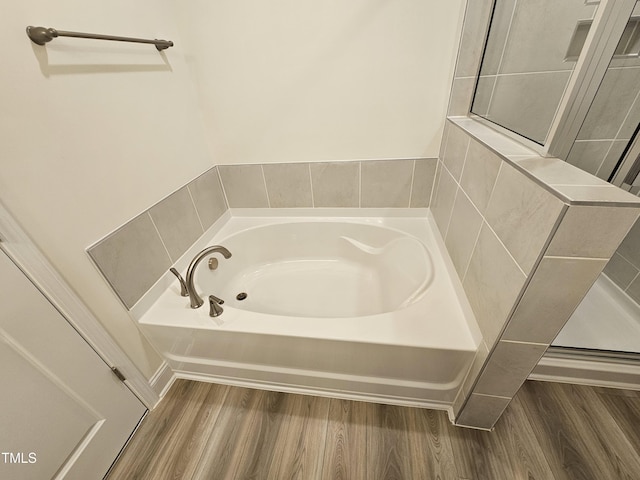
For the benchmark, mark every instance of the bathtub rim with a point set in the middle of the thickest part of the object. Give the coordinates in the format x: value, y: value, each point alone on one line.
x: 243, y: 217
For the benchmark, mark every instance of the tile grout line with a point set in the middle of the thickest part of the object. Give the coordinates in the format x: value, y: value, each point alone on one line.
x: 587, y: 140
x: 160, y: 236
x: 264, y: 181
x: 413, y: 178
x: 455, y: 197
x: 504, y: 47
x: 626, y: 259
x: 516, y: 74
x: 224, y: 191
x: 459, y: 187
x: 557, y: 110
x: 313, y: 200
x: 195, y: 208
x: 475, y: 242
x: 630, y: 283
x: 635, y: 101
x: 359, y: 184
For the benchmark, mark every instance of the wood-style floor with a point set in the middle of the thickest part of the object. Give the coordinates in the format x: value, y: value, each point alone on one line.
x: 550, y: 431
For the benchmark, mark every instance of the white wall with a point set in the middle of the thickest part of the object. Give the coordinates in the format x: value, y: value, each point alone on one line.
x: 92, y: 133
x: 305, y: 80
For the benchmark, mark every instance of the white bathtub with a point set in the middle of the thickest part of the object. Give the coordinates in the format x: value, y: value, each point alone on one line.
x: 364, y: 308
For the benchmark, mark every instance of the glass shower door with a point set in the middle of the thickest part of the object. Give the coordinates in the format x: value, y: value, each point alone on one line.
x: 608, y: 146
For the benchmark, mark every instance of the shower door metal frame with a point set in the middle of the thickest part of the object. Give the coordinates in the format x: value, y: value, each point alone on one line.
x: 609, y: 23
x: 610, y: 20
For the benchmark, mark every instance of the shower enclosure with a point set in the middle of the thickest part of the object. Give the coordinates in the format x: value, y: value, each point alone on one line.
x: 563, y: 77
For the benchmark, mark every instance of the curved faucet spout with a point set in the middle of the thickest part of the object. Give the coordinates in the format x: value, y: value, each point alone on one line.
x: 196, y: 300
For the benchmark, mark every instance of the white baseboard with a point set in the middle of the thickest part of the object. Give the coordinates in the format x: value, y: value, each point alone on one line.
x: 162, y: 380
x: 583, y: 369
x: 316, y: 391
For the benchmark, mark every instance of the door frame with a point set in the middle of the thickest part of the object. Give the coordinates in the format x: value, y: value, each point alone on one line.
x: 18, y: 246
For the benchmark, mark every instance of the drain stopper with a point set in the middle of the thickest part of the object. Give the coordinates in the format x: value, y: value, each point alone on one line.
x: 241, y: 296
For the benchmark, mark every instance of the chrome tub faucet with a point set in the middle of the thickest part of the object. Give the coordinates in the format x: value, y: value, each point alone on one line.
x: 187, y: 286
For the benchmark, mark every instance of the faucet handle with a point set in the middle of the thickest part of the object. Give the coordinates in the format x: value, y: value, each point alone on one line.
x: 215, y: 310
x: 219, y: 301
x: 183, y: 286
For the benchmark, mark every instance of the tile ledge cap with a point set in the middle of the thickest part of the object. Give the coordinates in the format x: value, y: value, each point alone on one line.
x: 626, y: 199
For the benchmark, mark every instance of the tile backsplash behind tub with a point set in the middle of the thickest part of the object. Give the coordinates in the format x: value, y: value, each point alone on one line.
x: 133, y: 257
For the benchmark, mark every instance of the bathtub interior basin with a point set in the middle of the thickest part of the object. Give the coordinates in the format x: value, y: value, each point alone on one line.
x: 320, y: 269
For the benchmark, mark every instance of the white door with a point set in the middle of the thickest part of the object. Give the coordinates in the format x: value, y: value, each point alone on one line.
x: 63, y: 413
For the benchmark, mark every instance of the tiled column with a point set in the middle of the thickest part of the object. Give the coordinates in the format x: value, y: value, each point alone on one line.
x: 528, y: 236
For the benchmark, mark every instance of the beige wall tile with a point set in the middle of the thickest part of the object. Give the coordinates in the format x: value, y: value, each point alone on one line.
x: 288, y: 184
x: 476, y: 20
x: 593, y: 232
x: 620, y: 271
x: 557, y: 287
x: 423, y: 179
x: 634, y: 290
x: 554, y: 171
x: 132, y: 259
x: 523, y: 214
x: 461, y: 96
x: 443, y: 201
x: 611, y: 104
x: 630, y: 246
x: 588, y: 156
x: 613, y: 155
x: 491, y: 137
x: 500, y: 21
x: 480, y: 173
x: 208, y: 196
x: 244, y: 186
x: 478, y: 362
x: 526, y: 103
x: 538, y: 37
x: 445, y: 134
x: 462, y: 233
x: 482, y: 411
x: 508, y: 367
x: 482, y: 97
x: 456, y: 151
x: 336, y: 184
x: 386, y: 183
x: 493, y: 283
x: 177, y: 222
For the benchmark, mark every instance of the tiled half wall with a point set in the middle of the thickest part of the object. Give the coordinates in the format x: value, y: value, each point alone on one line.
x: 136, y: 255
x: 528, y: 236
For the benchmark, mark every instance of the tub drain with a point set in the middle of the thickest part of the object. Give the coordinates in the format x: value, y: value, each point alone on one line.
x: 241, y: 296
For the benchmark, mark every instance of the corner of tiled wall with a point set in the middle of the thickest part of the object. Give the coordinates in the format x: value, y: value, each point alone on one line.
x: 528, y: 236
x: 525, y: 234
x: 136, y: 255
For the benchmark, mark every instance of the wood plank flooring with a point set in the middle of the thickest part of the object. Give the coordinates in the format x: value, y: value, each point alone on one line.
x: 550, y: 431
